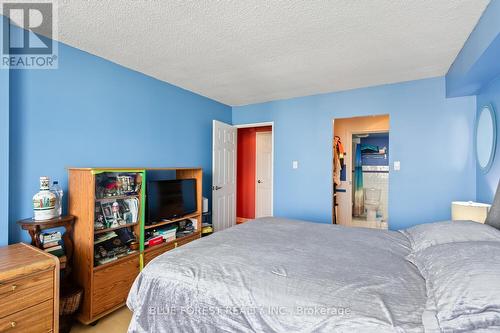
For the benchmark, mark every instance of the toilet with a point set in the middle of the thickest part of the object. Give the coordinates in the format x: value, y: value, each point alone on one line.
x: 372, y: 202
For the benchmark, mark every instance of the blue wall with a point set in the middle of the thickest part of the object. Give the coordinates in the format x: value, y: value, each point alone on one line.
x: 4, y: 153
x: 91, y: 112
x: 477, y: 62
x: 487, y: 183
x: 476, y: 71
x: 430, y: 135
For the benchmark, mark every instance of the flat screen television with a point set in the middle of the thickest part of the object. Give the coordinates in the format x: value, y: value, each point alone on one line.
x: 170, y: 199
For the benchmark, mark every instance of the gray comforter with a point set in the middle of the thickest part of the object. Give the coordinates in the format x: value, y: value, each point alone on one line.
x: 276, y: 275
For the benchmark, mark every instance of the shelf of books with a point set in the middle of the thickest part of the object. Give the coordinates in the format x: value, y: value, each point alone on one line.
x: 118, y: 212
x: 52, y: 242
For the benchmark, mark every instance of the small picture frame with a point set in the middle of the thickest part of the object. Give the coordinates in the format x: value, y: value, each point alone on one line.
x: 107, y: 211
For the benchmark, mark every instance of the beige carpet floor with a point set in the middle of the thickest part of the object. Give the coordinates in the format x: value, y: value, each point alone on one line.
x: 116, y: 322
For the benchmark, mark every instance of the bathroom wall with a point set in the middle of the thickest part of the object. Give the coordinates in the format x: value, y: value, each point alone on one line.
x: 376, y: 171
x: 379, y: 180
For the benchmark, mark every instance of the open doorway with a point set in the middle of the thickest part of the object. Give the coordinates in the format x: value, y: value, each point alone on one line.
x: 254, y: 181
x: 242, y: 173
x: 361, y: 171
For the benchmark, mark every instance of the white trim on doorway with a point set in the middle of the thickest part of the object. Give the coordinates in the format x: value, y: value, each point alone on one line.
x: 269, y: 123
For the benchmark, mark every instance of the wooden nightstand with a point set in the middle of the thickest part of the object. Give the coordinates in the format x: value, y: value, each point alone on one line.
x: 29, y: 290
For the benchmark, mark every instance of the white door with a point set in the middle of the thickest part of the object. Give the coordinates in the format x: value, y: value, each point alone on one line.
x: 344, y: 190
x: 347, y: 204
x: 224, y: 176
x: 264, y: 174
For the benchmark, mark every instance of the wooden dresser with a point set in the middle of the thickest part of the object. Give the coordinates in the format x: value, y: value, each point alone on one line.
x: 29, y: 290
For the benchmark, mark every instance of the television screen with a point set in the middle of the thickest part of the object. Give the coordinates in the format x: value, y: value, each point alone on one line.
x: 170, y: 199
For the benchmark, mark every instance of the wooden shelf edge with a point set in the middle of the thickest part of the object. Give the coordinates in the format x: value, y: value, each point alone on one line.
x: 159, y: 246
x: 156, y: 225
x: 134, y: 168
x: 102, y: 231
x: 155, y: 247
x: 117, y: 197
x: 114, y: 262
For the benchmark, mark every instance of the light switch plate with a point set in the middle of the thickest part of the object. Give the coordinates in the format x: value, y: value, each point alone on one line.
x: 295, y: 164
x: 397, y: 165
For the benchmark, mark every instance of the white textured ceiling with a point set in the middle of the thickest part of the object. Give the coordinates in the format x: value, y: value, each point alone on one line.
x: 249, y: 51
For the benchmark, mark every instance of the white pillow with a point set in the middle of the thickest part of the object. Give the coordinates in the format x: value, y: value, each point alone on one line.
x: 463, y: 285
x: 423, y: 236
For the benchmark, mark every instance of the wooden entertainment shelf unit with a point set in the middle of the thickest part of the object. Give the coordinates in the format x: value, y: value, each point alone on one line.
x: 106, y: 284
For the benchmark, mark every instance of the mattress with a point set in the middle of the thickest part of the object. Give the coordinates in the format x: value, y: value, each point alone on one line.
x: 279, y: 275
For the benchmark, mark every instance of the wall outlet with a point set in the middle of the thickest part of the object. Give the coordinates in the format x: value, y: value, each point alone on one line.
x: 295, y: 164
x: 397, y: 165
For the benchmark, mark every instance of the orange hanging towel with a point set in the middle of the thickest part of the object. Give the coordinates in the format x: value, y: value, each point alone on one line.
x: 338, y: 155
x: 341, y: 149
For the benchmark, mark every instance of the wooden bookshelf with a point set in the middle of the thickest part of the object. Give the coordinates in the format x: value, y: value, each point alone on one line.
x: 106, y: 286
x: 93, y: 278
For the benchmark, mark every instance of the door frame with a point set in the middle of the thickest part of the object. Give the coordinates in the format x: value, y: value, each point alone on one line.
x: 262, y: 124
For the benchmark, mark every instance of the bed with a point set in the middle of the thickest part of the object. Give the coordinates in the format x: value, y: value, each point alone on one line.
x: 279, y: 275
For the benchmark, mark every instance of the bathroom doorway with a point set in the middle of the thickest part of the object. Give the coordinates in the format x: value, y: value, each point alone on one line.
x: 361, y: 171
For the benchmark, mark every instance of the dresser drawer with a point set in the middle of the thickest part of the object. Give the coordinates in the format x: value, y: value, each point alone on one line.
x: 112, y: 285
x: 22, y: 293
x: 37, y: 318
